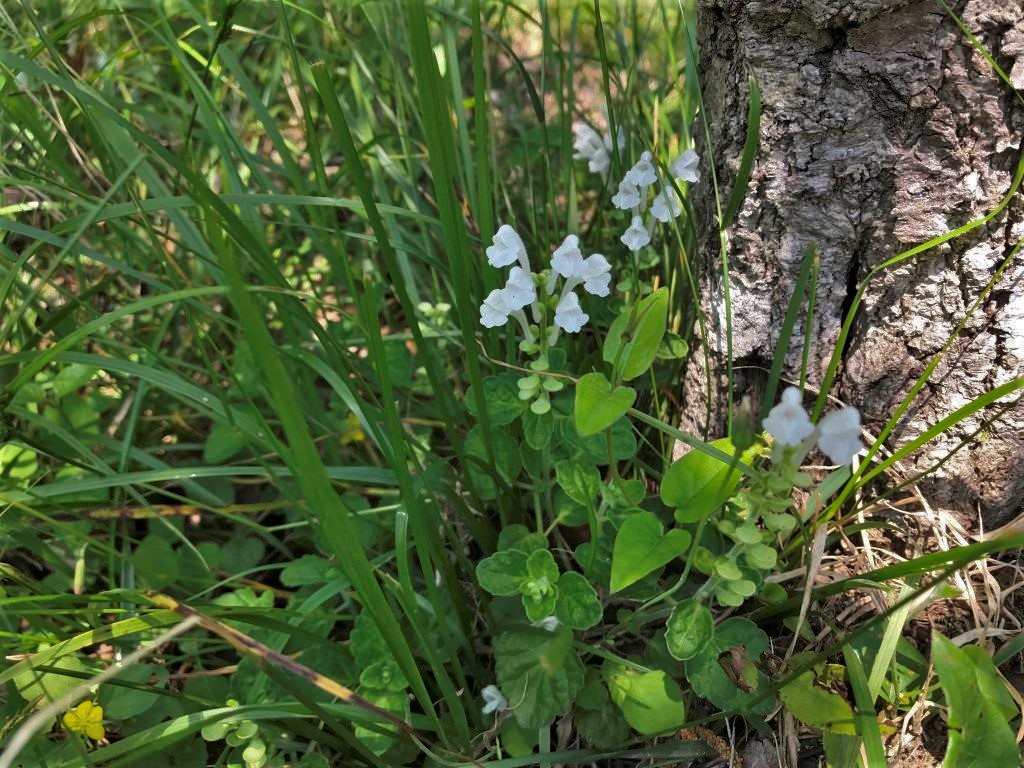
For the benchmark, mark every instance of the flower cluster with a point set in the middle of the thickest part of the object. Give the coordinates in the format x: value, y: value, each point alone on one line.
x: 596, y: 149
x: 634, y: 194
x: 520, y: 291
x: 837, y: 434
x: 553, y: 313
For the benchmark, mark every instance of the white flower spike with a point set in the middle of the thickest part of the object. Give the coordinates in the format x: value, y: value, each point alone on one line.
x: 494, y: 701
x: 507, y: 248
x: 666, y: 205
x: 839, y: 435
x: 788, y: 422
x: 569, y: 316
x: 637, y: 236
x: 520, y: 290
x: 643, y: 174
x: 684, y: 167
x: 596, y: 275
x: 496, y: 308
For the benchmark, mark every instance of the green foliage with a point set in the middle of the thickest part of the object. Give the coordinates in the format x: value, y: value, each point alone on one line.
x: 634, y: 337
x: 244, y: 365
x: 598, y: 405
x: 980, y: 707
x: 539, y: 673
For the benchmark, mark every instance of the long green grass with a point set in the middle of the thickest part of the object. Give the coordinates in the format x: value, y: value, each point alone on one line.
x: 241, y: 260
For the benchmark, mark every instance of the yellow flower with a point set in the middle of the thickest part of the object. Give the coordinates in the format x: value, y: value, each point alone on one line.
x: 86, y: 718
x: 352, y: 432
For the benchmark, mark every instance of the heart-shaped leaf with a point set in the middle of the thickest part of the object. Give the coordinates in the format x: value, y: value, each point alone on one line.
x: 651, y: 702
x: 641, y: 546
x: 697, y: 484
x: 598, y: 406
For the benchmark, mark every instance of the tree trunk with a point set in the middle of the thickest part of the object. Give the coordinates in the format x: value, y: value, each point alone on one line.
x: 882, y: 127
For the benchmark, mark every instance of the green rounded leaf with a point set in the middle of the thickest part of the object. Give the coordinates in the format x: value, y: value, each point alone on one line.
x: 651, y: 702
x: 581, y: 482
x: 577, y: 606
x: 689, y: 629
x: 502, y: 572
x: 539, y: 673
x: 501, y: 393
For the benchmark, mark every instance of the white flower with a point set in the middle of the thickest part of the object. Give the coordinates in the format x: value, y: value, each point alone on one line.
x: 589, y: 146
x: 519, y: 290
x: 507, y: 248
x: 596, y: 274
x: 684, y: 167
x: 567, y: 260
x: 493, y: 700
x: 568, y: 314
x: 637, y: 236
x: 642, y: 174
x: 550, y: 623
x: 839, y: 435
x: 496, y: 308
x: 628, y: 196
x: 666, y: 205
x: 788, y: 422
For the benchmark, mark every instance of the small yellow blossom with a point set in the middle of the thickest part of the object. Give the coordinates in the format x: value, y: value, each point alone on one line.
x: 86, y: 718
x: 352, y: 432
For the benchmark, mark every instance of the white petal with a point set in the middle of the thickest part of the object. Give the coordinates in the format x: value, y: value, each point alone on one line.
x: 493, y: 699
x: 643, y: 174
x: 507, y: 247
x: 637, y: 236
x: 597, y: 275
x: 599, y: 161
x: 586, y: 142
x: 839, y: 435
x: 567, y: 260
x: 520, y: 289
x: 628, y: 196
x: 568, y: 314
x: 684, y: 167
x: 495, y: 309
x: 788, y: 423
x: 666, y: 205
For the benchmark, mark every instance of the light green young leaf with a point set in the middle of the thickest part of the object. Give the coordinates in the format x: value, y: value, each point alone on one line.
x: 697, y: 484
x: 642, y: 546
x: 597, y: 405
x: 635, y: 335
x: 815, y: 706
x: 651, y: 702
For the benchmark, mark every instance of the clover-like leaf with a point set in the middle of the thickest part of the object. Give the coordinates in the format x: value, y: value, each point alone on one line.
x: 577, y: 605
x: 539, y: 673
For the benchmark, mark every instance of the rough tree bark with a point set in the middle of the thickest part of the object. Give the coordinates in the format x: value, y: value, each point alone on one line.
x: 882, y: 127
